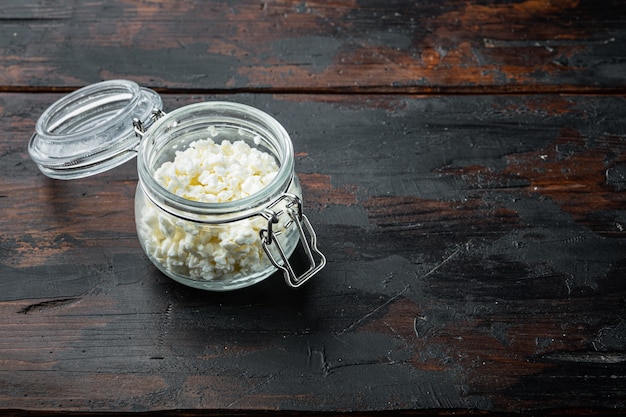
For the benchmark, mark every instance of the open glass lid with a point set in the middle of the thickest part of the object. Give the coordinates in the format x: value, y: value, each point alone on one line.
x: 91, y: 130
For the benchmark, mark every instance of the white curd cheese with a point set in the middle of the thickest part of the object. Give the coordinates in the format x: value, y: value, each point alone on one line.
x: 214, y: 173
x: 217, y: 173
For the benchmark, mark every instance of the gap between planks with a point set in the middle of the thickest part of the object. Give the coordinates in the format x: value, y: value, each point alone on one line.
x: 358, y: 90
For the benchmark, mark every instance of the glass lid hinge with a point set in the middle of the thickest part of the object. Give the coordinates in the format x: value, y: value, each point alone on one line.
x: 140, y: 127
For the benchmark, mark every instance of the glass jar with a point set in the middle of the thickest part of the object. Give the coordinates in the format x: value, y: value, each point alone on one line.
x: 218, y: 246
x: 215, y: 246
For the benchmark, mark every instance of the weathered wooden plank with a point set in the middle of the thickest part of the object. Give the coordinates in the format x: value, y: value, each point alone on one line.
x: 476, y: 253
x: 507, y: 46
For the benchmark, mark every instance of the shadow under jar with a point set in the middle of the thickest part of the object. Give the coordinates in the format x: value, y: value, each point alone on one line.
x: 216, y: 246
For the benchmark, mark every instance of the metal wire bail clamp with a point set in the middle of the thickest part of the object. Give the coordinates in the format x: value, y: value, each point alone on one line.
x: 316, y: 259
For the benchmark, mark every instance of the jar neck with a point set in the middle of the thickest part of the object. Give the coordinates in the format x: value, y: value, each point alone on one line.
x: 212, y: 212
x: 179, y: 128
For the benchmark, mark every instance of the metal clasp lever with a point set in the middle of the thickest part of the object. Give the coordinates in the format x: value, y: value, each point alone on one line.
x: 316, y: 259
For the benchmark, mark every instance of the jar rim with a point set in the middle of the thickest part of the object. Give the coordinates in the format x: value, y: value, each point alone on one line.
x: 182, y: 207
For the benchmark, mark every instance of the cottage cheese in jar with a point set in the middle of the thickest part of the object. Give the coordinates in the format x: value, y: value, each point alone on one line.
x: 218, y: 205
x: 214, y: 173
x: 217, y: 192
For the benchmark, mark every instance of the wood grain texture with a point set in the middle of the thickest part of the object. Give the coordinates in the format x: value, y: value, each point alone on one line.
x: 382, y: 46
x: 476, y: 253
x: 463, y: 164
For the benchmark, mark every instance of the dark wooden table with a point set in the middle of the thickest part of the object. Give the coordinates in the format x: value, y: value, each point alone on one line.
x: 463, y: 164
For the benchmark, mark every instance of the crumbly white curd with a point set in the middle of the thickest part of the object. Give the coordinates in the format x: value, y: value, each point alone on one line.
x: 214, y: 173
x: 217, y: 173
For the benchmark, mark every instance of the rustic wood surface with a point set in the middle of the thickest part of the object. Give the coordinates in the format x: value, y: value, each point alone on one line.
x: 463, y: 164
x: 388, y: 46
